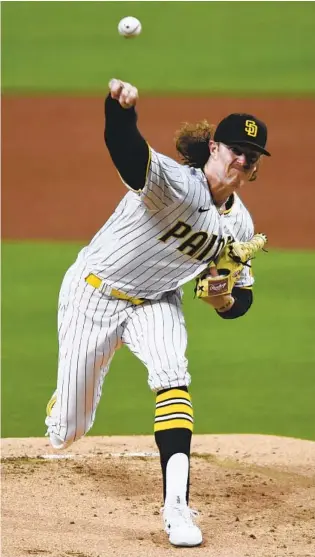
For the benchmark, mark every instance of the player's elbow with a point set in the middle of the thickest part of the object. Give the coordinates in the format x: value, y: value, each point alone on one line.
x: 243, y: 301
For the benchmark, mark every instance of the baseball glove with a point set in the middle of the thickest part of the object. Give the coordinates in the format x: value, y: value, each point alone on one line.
x: 222, y: 274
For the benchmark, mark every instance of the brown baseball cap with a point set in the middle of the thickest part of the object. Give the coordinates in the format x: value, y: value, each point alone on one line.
x: 243, y: 129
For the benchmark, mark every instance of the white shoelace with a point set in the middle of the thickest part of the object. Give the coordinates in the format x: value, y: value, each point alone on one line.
x: 181, y: 512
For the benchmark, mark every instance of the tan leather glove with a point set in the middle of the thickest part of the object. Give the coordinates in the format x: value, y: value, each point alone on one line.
x: 216, y: 284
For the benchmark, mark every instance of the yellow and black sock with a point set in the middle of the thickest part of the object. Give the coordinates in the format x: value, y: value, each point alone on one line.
x: 173, y: 427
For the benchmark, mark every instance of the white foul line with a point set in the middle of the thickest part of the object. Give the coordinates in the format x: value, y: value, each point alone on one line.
x: 107, y: 455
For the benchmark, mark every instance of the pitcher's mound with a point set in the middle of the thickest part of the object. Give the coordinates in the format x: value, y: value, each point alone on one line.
x: 102, y: 497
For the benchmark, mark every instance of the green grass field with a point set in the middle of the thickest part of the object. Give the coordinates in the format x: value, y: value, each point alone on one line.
x: 203, y: 47
x: 254, y: 374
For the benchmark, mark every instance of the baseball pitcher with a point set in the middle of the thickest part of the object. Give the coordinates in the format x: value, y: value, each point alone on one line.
x: 177, y: 222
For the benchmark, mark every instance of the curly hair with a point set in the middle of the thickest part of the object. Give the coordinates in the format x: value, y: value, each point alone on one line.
x: 192, y: 143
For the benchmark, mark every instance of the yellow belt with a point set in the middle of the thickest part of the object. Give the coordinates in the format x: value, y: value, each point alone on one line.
x: 95, y: 281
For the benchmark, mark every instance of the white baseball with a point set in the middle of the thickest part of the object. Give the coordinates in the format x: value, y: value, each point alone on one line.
x: 129, y: 27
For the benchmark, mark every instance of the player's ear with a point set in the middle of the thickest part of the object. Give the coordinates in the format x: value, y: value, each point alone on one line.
x: 213, y: 147
x: 255, y: 172
x: 254, y: 175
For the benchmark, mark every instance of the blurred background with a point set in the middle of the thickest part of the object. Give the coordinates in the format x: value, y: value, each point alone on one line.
x: 193, y: 60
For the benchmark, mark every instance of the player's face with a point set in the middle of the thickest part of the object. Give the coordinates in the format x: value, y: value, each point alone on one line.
x: 238, y: 161
x: 245, y: 155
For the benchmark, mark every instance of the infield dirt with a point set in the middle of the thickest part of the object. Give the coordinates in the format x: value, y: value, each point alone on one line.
x: 58, y: 181
x: 255, y: 494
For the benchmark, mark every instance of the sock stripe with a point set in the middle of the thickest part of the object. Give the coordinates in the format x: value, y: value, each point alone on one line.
x: 174, y: 401
x: 174, y: 415
x: 171, y: 408
x: 172, y: 393
x: 172, y: 424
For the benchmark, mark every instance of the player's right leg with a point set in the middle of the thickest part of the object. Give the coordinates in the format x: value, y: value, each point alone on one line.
x: 89, y: 331
x: 156, y: 333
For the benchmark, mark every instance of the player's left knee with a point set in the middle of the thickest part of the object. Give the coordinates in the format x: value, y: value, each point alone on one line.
x: 160, y: 379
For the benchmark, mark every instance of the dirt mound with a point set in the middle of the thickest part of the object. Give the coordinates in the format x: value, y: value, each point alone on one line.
x: 255, y: 494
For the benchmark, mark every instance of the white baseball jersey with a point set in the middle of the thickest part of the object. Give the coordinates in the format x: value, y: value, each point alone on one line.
x: 161, y: 237
x: 155, y: 241
x: 238, y: 225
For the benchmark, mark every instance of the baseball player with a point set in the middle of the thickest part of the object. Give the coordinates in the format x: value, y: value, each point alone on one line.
x: 176, y: 223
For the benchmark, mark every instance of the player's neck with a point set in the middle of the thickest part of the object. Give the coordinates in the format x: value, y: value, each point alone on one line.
x: 222, y: 180
x: 220, y: 192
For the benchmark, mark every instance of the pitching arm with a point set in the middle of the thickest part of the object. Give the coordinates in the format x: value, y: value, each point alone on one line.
x: 129, y: 151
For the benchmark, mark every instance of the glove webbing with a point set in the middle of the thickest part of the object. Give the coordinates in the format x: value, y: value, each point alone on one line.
x: 244, y: 251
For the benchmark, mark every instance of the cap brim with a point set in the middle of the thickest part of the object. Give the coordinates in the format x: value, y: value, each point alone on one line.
x: 251, y: 144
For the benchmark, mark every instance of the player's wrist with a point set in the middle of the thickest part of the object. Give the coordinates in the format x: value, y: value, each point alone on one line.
x: 220, y: 303
x: 227, y: 306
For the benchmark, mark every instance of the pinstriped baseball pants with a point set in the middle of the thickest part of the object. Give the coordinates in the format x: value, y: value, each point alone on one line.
x: 91, y: 327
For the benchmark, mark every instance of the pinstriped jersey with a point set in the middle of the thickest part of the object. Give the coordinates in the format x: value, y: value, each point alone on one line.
x: 238, y: 226
x: 164, y: 235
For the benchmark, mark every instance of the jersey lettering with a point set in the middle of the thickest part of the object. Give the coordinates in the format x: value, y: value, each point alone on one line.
x: 209, y: 247
x: 179, y: 230
x: 195, y: 241
x: 220, y: 247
